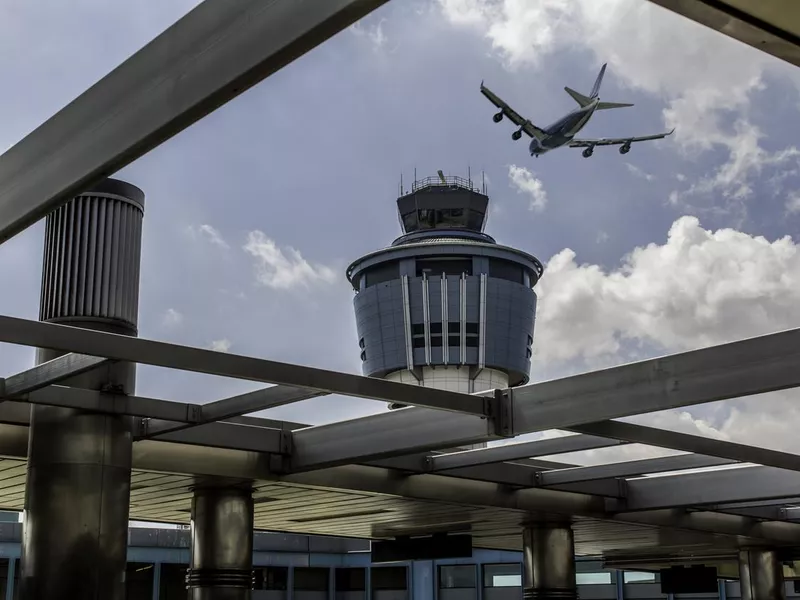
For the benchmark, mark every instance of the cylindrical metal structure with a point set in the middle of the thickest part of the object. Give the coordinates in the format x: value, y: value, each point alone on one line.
x: 548, y: 562
x: 77, y: 495
x: 761, y: 575
x: 222, y: 544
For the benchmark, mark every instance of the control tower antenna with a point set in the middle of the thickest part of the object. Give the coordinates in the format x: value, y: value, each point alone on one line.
x: 483, y: 182
x: 469, y: 175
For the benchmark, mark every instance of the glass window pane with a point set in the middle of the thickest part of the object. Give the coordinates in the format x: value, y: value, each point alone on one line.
x: 502, y: 575
x: 456, y: 576
x: 638, y: 577
x: 593, y: 578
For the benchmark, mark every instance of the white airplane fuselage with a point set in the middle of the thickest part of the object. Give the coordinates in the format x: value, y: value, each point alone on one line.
x: 562, y: 131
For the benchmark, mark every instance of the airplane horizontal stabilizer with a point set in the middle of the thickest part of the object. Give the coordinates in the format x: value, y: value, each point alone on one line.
x: 578, y: 97
x: 607, y: 105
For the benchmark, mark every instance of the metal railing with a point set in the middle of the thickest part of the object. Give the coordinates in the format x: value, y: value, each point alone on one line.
x: 446, y: 181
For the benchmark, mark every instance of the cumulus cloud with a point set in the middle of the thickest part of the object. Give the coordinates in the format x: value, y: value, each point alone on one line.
x: 222, y: 345
x: 284, y: 269
x: 699, y: 288
x: 526, y: 183
x: 210, y: 234
x: 793, y: 203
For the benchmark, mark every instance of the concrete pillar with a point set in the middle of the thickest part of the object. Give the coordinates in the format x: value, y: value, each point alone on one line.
x: 77, y: 496
x: 222, y: 544
x: 761, y: 575
x: 548, y: 562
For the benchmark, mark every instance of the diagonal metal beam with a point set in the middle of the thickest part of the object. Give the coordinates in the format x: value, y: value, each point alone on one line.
x: 214, y: 53
x: 49, y: 373
x: 510, y: 452
x: 631, y: 468
x: 686, y: 442
x: 149, y: 352
x: 235, y: 406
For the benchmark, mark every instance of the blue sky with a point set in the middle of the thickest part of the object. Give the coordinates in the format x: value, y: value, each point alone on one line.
x: 253, y: 213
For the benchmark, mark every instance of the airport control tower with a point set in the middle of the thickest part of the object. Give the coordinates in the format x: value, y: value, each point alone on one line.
x: 445, y: 306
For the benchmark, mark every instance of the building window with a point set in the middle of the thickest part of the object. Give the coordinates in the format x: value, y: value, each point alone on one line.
x: 502, y: 575
x: 595, y: 578
x: 638, y: 577
x: 444, y: 266
x: 456, y: 577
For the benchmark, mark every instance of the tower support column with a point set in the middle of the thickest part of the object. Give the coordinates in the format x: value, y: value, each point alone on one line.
x: 548, y: 562
x: 761, y: 575
x: 77, y: 495
x: 222, y: 544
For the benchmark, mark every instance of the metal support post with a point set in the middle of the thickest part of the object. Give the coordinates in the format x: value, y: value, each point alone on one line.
x: 222, y: 544
x: 548, y: 562
x: 77, y: 496
x: 761, y: 575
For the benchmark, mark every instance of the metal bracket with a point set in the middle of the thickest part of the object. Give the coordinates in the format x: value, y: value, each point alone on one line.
x: 501, y: 412
x: 286, y: 442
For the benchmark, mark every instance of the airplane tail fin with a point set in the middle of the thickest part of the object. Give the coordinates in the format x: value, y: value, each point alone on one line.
x: 578, y: 97
x: 598, y: 82
x: 607, y: 105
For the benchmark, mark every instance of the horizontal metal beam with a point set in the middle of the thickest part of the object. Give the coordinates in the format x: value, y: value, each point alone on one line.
x: 755, y: 26
x: 631, y: 468
x: 214, y: 53
x: 686, y: 442
x: 48, y: 373
x: 712, y: 487
x: 750, y: 366
x: 149, y: 352
x: 227, y: 408
x: 114, y: 404
x: 403, y: 431
x: 507, y: 452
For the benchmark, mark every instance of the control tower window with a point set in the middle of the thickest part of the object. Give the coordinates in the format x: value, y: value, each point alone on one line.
x: 504, y: 269
x: 382, y: 274
x: 437, y: 267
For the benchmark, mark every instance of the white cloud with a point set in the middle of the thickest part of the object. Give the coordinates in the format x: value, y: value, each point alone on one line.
x: 284, y: 269
x: 172, y: 318
x: 638, y: 172
x: 373, y: 33
x: 793, y: 203
x: 222, y: 345
x: 699, y: 288
x: 526, y: 183
x: 209, y: 233
x: 602, y: 237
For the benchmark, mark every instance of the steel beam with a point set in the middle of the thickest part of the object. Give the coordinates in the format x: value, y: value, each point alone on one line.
x: 631, y: 468
x: 731, y: 370
x: 686, y: 442
x: 48, y: 373
x: 509, y: 452
x: 739, y: 484
x: 149, y: 352
x: 214, y: 53
x: 769, y: 26
x: 227, y: 408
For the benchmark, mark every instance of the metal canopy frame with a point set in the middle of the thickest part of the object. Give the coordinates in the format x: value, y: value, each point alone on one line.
x: 216, y: 52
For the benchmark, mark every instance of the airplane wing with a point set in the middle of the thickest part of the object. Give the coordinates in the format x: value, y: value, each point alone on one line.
x: 528, y: 127
x: 576, y: 143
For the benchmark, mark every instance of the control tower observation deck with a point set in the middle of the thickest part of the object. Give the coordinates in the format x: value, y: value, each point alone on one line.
x: 445, y: 306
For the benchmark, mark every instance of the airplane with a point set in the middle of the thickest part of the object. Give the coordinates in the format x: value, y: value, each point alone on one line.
x: 562, y: 132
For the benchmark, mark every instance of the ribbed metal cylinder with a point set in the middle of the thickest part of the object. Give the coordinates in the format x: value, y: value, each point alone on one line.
x: 222, y: 545
x: 92, y: 256
x: 548, y: 562
x: 761, y: 575
x: 77, y: 494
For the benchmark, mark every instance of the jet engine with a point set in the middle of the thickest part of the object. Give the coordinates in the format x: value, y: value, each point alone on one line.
x: 516, y: 135
x: 588, y: 152
x: 625, y: 148
x: 498, y: 117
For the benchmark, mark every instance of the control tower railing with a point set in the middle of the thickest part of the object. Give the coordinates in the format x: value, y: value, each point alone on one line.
x: 446, y: 181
